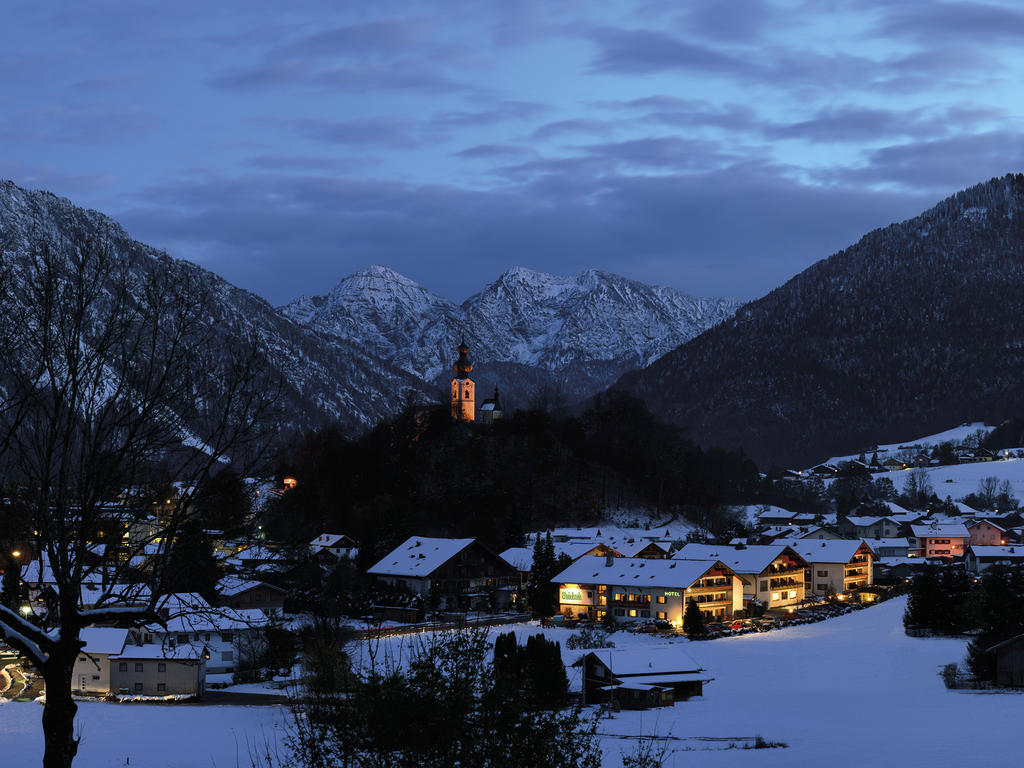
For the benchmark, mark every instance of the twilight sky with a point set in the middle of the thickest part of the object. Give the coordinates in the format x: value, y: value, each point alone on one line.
x: 716, y: 147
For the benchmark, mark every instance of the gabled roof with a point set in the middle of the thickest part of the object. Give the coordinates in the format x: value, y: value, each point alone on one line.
x: 329, y: 540
x: 751, y: 559
x: 106, y: 640
x: 997, y: 552
x: 419, y: 556
x: 829, y: 550
x: 975, y: 523
x: 520, y: 558
x: 649, y: 660
x: 229, y: 586
x: 181, y: 652
x: 865, y: 520
x: 635, y: 571
x: 943, y: 530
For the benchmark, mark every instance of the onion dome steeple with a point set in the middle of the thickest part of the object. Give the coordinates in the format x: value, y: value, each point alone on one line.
x: 462, y: 365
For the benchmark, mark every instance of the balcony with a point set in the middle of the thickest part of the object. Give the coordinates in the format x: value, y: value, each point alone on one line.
x: 786, y: 583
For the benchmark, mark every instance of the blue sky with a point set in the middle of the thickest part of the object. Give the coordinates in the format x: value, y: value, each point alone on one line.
x: 716, y: 147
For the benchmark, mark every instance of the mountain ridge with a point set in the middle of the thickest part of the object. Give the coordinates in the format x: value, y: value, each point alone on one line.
x: 911, y: 328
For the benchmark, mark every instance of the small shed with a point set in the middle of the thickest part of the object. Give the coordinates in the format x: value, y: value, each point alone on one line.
x: 1009, y: 662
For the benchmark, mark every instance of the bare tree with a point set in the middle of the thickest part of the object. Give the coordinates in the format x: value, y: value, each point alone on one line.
x: 111, y: 376
x: 918, y: 488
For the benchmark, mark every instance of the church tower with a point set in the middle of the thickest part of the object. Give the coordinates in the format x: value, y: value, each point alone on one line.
x: 463, y: 399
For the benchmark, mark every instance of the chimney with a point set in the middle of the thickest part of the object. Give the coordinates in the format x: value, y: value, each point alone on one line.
x: 608, y: 560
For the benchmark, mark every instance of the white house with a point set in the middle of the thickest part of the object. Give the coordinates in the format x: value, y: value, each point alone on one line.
x: 838, y: 566
x: 637, y: 588
x: 772, y: 574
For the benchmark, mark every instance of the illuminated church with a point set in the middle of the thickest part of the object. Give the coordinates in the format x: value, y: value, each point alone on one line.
x: 463, y: 399
x: 463, y: 395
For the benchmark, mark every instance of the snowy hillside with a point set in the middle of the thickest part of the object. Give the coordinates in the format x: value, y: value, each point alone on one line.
x: 321, y: 381
x: 574, y: 334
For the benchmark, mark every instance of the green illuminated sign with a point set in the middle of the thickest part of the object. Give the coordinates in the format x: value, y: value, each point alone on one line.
x: 671, y: 593
x: 570, y: 596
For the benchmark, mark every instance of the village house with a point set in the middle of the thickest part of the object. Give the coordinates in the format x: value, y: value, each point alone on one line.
x: 236, y: 592
x: 836, y: 567
x: 947, y: 540
x: 772, y: 574
x: 892, y: 547
x: 641, y: 678
x: 225, y: 637
x: 979, y: 558
x: 868, y: 527
x: 637, y: 589
x: 115, y: 661
x: 452, y: 569
x: 337, y: 544
x: 985, y: 534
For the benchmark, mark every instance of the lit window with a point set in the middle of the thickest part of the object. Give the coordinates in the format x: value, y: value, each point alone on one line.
x: 792, y: 594
x: 662, y: 615
x: 632, y: 612
x: 661, y: 599
x: 775, y: 595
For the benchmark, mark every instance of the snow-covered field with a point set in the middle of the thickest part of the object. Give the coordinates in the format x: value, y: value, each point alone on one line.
x: 844, y: 692
x: 956, y: 435
x: 957, y: 480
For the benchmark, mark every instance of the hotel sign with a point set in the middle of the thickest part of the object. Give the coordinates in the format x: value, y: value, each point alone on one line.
x: 671, y: 593
x: 570, y: 596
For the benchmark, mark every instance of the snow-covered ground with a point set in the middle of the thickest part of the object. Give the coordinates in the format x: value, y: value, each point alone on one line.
x: 842, y: 692
x: 957, y: 480
x: 956, y: 435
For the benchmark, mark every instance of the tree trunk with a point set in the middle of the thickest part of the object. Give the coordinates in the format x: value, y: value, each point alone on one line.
x: 61, y: 746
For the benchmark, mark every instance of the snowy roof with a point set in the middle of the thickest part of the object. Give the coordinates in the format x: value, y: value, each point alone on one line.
x: 520, y: 558
x: 989, y: 522
x: 328, y: 540
x: 648, y: 660
x: 189, y: 612
x: 419, y: 556
x: 750, y: 559
x: 106, y: 640
x: 828, y: 550
x: 181, y: 652
x: 944, y: 530
x: 861, y: 521
x: 233, y: 585
x: 891, y: 542
x: 997, y: 553
x: 634, y: 571
x: 630, y: 548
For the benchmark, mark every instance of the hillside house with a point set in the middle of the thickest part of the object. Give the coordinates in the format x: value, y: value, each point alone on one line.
x: 455, y: 569
x: 337, y: 544
x: 836, y: 567
x: 893, y: 547
x: 608, y: 672
x: 235, y: 592
x: 947, y: 540
x: 638, y: 589
x: 979, y: 559
x: 772, y: 574
x: 115, y: 661
x: 985, y: 533
x: 868, y: 527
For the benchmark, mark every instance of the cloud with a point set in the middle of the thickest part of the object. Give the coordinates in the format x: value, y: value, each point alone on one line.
x: 502, y: 152
x: 75, y: 123
x: 641, y: 51
x: 501, y: 112
x: 383, y: 54
x: 958, y: 23
x: 590, y: 126
x: 942, y: 164
x: 737, y: 230
x: 388, y: 132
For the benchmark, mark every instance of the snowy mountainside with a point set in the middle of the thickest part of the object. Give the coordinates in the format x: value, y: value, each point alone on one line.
x: 527, y: 330
x: 322, y: 380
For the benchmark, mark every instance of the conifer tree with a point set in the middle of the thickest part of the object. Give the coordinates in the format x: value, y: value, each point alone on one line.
x: 693, y: 619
